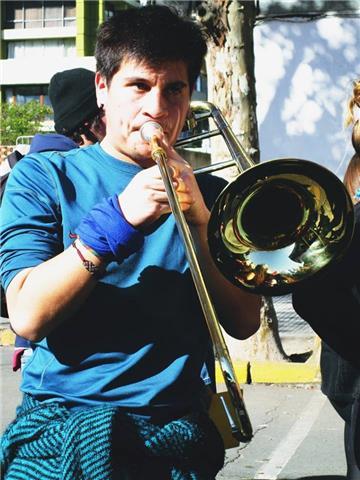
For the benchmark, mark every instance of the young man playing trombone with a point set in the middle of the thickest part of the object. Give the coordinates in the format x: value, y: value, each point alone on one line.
x: 89, y: 246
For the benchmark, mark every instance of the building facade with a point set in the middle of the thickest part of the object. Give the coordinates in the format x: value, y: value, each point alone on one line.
x: 40, y: 38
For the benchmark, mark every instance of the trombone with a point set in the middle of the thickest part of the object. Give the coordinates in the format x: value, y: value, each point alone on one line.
x: 280, y: 222
x: 257, y: 252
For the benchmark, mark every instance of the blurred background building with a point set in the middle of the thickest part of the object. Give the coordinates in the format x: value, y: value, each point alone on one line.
x: 40, y: 38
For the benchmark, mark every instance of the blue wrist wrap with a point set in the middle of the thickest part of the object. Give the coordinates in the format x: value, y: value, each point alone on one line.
x: 106, y: 231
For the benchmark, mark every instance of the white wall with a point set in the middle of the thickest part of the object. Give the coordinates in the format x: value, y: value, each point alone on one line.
x: 30, y: 70
x: 304, y: 73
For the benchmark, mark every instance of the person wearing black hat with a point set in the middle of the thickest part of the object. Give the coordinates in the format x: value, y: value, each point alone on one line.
x: 76, y: 112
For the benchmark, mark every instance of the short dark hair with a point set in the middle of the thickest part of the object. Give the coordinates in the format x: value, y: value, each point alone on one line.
x: 92, y: 129
x: 155, y: 34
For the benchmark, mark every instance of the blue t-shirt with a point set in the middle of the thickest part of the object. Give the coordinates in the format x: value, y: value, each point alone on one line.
x: 139, y: 341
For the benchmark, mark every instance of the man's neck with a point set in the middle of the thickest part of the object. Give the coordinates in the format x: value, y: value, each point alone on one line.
x: 107, y: 146
x: 111, y: 150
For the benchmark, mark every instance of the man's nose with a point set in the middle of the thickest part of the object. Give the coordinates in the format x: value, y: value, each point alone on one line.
x: 155, y: 105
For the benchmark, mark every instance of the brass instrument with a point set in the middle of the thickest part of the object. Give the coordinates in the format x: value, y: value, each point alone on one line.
x: 239, y: 422
x: 256, y: 250
x: 280, y: 222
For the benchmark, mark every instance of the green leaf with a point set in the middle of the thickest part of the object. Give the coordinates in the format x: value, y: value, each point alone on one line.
x: 25, y: 119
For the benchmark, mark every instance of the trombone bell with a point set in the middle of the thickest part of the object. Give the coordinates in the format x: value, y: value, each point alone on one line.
x: 279, y: 223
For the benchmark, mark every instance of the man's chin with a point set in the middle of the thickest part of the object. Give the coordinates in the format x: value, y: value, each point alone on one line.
x: 142, y: 155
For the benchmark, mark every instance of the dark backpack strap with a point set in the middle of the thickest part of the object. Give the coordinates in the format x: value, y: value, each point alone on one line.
x: 12, y: 160
x: 14, y: 157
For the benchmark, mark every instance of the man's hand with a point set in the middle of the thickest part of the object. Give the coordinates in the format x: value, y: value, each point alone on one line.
x: 145, y: 199
x: 197, y: 214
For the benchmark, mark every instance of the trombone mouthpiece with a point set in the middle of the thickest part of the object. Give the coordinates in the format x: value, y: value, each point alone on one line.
x: 149, y: 129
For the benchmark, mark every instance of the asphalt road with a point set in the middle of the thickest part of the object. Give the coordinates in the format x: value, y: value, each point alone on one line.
x: 297, y: 434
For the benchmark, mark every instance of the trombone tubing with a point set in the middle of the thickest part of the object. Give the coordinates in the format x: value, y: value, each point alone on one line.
x: 215, y: 167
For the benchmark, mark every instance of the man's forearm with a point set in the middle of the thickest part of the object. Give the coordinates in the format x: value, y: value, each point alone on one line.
x: 40, y: 298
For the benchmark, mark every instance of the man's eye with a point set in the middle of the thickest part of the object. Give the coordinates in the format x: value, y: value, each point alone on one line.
x: 175, y: 89
x: 140, y: 86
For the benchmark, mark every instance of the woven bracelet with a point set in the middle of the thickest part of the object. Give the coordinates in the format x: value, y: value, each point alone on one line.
x: 88, y: 264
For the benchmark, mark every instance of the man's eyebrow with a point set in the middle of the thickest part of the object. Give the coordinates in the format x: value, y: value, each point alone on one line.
x: 136, y: 79
x: 177, y: 83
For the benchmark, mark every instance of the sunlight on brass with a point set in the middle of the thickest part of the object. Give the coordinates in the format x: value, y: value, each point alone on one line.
x: 280, y: 222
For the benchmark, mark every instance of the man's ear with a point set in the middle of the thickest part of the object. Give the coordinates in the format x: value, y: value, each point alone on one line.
x: 101, y: 89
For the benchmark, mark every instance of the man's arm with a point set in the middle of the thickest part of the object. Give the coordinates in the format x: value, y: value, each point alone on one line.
x: 40, y: 298
x: 237, y: 310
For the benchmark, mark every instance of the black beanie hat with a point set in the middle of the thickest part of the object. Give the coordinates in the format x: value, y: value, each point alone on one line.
x: 73, y: 99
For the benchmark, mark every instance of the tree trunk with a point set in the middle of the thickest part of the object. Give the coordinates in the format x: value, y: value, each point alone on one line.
x: 231, y: 87
x: 230, y: 69
x: 266, y: 343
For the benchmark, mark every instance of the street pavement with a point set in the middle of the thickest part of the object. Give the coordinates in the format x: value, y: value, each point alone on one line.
x: 297, y: 434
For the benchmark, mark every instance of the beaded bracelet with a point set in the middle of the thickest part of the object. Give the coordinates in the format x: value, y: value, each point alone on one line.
x: 88, y: 264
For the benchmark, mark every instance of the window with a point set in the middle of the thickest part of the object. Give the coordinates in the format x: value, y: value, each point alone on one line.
x: 26, y: 93
x: 17, y: 14
x: 39, y: 14
x: 32, y: 15
x: 52, y: 15
x: 54, y: 48
x: 69, y: 14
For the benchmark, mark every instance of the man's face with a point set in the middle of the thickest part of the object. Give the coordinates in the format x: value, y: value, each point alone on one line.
x: 139, y: 93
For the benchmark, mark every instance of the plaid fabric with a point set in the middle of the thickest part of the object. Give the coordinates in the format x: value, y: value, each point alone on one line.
x: 49, y: 442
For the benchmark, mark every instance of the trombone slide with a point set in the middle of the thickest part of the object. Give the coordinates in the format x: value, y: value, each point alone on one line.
x: 239, y: 421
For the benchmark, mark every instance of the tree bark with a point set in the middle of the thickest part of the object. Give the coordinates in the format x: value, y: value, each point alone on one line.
x: 230, y: 69
x: 265, y: 344
x: 230, y: 64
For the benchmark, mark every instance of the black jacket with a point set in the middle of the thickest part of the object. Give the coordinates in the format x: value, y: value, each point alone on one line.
x: 331, y: 306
